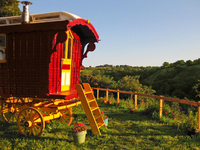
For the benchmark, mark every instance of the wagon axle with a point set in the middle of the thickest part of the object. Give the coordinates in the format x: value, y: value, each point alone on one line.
x: 28, y: 124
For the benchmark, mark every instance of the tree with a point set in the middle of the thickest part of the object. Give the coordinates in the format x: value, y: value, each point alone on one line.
x: 189, y: 63
x: 9, y: 8
x: 179, y: 63
x: 196, y: 61
x: 197, y: 88
x: 131, y: 83
x: 165, y: 65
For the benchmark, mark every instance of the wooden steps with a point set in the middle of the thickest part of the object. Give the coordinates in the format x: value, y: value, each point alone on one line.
x: 90, y: 107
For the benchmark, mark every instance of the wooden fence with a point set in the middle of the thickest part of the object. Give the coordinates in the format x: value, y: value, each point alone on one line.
x: 161, y: 99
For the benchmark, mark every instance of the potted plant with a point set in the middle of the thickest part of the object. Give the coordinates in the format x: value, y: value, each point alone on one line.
x: 192, y: 125
x: 104, y: 100
x: 79, y: 132
x: 105, y: 118
x: 111, y: 99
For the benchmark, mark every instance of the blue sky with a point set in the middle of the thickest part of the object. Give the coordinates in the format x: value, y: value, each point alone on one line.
x: 136, y: 32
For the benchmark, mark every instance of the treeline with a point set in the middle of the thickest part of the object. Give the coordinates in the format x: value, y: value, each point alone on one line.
x: 180, y: 63
x: 99, y: 78
x: 9, y: 8
x: 178, y: 79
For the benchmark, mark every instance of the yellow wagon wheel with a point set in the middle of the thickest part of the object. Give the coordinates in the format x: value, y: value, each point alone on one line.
x: 66, y: 116
x: 9, y: 112
x: 30, y: 122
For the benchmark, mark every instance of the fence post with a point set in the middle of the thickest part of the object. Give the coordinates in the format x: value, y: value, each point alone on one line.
x: 118, y: 96
x: 135, y: 100
x: 106, y: 94
x: 160, y: 107
x: 198, y: 115
x: 97, y: 93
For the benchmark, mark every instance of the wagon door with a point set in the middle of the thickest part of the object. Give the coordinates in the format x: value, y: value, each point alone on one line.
x: 66, y: 62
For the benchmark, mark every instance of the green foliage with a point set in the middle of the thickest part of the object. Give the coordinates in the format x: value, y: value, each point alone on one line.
x: 131, y: 83
x: 197, y: 88
x: 165, y: 65
x: 9, y: 8
x: 137, y: 130
x: 129, y: 103
x: 196, y: 61
x: 189, y: 63
x: 179, y: 63
x: 192, y: 122
x: 178, y: 82
x: 111, y: 98
x: 178, y: 79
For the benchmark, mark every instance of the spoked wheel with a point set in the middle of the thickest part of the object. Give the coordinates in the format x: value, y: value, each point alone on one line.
x: 30, y: 122
x: 9, y: 112
x: 66, y: 116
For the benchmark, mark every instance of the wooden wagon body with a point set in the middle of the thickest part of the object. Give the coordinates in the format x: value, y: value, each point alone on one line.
x: 40, y: 66
x: 43, y: 58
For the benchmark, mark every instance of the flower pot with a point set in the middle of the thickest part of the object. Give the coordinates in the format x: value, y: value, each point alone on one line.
x: 106, y: 121
x: 79, y: 137
x: 105, y: 101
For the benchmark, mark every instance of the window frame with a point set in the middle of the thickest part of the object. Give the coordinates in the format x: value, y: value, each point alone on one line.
x: 3, y: 47
x: 2, y: 34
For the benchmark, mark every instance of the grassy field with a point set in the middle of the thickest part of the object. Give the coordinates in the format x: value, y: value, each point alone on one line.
x: 137, y: 130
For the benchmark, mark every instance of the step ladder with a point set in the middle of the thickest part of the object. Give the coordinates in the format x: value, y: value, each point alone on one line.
x: 90, y: 107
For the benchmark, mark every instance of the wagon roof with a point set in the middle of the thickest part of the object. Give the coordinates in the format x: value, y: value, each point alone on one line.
x: 39, y: 18
x: 51, y: 21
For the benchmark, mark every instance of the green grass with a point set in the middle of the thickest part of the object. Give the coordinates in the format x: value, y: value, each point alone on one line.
x: 137, y: 130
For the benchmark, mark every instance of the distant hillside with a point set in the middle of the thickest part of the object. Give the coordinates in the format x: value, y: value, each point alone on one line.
x: 171, y: 79
x: 178, y: 81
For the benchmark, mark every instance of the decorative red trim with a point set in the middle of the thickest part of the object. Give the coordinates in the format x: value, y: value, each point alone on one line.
x: 66, y: 67
x: 81, y: 21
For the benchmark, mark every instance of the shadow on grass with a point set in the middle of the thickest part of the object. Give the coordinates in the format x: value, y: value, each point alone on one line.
x: 11, y: 132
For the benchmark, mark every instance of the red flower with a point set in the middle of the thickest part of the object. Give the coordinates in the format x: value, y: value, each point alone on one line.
x: 165, y: 112
x: 80, y: 124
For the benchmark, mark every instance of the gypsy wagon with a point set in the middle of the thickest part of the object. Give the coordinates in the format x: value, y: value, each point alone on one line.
x: 40, y: 60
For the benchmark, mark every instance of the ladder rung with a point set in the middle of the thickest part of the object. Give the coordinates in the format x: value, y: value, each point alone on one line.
x: 92, y: 100
x: 93, y: 108
x: 89, y: 92
x: 98, y: 117
x: 100, y: 124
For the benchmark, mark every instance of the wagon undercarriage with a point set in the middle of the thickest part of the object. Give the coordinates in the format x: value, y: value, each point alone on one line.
x: 31, y: 114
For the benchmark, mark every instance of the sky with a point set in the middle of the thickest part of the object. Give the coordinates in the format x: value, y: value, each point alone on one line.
x: 135, y: 32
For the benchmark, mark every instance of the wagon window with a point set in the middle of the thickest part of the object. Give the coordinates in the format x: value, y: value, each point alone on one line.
x: 69, y: 49
x: 2, y: 48
x: 63, y: 51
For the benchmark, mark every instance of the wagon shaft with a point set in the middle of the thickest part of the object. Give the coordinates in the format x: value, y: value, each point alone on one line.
x: 51, y: 117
